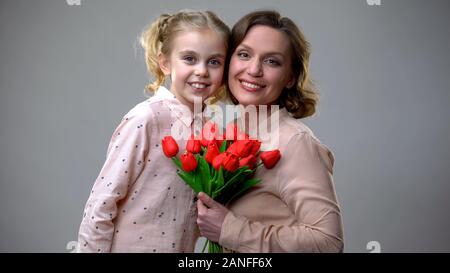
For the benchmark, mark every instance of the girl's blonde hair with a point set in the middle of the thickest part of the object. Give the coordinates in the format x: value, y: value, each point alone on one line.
x: 301, y: 99
x: 158, y: 37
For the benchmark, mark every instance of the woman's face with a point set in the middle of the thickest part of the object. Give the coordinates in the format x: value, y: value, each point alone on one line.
x: 260, y: 67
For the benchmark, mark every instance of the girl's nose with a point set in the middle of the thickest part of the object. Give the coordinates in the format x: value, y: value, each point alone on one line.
x: 201, y: 71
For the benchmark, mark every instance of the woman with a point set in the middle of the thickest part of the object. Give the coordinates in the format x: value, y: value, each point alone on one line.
x: 294, y: 208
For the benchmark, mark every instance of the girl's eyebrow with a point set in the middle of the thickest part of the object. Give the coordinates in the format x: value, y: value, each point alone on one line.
x: 218, y: 55
x: 192, y: 52
x: 188, y: 52
x: 246, y: 47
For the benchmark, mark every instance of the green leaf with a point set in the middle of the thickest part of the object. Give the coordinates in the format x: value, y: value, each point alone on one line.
x: 197, y: 181
x: 218, y: 183
x: 205, y: 175
x: 177, y: 162
x: 190, y: 181
x: 240, y: 174
x: 247, y: 184
x: 220, y: 180
x: 223, y: 147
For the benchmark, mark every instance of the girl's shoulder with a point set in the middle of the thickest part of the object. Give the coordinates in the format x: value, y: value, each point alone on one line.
x: 147, y: 110
x: 140, y: 112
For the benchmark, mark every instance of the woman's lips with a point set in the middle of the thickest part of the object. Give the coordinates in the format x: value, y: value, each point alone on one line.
x: 251, y: 86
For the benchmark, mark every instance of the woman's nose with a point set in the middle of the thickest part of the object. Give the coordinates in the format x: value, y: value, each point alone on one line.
x: 255, y: 68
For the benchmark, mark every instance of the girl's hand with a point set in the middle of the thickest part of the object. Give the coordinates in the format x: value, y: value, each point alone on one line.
x: 210, y: 217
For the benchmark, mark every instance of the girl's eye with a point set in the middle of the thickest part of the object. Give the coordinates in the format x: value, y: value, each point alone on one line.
x: 189, y: 59
x: 215, y: 62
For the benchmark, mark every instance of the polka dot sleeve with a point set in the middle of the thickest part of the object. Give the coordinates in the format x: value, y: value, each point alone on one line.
x: 127, y: 151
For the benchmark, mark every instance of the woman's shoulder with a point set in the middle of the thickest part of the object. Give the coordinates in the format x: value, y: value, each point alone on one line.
x: 294, y: 130
x: 290, y: 127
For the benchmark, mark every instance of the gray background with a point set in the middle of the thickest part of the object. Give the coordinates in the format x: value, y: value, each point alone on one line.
x: 69, y: 73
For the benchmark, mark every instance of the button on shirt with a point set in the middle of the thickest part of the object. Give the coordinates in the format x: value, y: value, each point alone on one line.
x: 138, y: 203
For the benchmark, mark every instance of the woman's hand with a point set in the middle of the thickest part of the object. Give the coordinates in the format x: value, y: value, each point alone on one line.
x: 210, y: 217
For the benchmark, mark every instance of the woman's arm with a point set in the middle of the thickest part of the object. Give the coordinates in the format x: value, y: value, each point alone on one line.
x: 306, y: 186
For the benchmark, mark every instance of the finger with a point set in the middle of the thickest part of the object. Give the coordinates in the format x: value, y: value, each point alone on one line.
x: 200, y: 206
x: 208, y: 201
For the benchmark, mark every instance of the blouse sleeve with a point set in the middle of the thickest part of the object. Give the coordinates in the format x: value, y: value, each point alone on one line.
x: 125, y: 160
x: 306, y: 187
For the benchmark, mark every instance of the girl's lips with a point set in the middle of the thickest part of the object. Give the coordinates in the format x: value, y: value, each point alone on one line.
x: 198, y: 86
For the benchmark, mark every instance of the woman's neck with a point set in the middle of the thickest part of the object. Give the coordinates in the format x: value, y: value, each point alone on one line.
x: 253, y: 118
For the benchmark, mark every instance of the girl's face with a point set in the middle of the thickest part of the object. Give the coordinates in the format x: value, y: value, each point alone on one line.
x: 260, y: 67
x: 195, y: 65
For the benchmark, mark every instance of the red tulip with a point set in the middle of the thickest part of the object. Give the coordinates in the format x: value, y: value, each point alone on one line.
x: 244, y: 147
x: 230, y: 162
x: 170, y: 146
x: 231, y: 132
x: 193, y: 145
x: 212, y: 152
x: 270, y: 158
x: 188, y: 162
x: 209, y: 132
x: 233, y: 148
x: 255, y: 147
x: 217, y: 161
x: 248, y: 161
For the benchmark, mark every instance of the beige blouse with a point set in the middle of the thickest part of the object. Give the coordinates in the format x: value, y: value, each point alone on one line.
x: 138, y: 203
x: 294, y: 208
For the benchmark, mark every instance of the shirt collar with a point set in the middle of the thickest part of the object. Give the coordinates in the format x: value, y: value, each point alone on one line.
x: 179, y: 110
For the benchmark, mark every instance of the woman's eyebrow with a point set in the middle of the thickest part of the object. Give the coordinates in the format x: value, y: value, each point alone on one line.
x: 270, y: 53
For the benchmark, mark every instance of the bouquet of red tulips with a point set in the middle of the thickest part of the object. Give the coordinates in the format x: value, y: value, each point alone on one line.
x: 220, y: 166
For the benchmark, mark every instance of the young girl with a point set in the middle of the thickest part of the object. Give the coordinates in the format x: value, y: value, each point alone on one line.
x: 138, y: 203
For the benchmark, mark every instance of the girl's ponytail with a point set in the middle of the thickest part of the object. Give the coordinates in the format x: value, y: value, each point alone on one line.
x: 151, y: 41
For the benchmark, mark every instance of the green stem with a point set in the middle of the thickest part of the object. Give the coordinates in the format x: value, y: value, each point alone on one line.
x: 259, y: 164
x: 204, y: 246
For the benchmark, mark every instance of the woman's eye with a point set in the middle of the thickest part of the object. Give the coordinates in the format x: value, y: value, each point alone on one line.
x: 271, y: 61
x: 243, y: 55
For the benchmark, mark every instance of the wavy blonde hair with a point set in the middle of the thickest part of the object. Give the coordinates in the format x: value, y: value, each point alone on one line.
x: 301, y: 99
x: 158, y: 37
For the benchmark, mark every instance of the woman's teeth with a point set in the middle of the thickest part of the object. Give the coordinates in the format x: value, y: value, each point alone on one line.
x: 251, y: 85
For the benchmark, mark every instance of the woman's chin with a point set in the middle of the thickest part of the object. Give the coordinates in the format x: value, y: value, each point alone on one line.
x: 247, y: 100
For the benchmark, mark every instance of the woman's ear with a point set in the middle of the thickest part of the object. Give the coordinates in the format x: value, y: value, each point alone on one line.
x: 290, y: 83
x: 164, y: 64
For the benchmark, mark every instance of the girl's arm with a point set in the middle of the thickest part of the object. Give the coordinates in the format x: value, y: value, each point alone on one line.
x: 128, y: 146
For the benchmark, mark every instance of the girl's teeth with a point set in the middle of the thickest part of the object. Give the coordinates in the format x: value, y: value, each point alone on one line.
x: 198, y: 85
x: 251, y: 85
